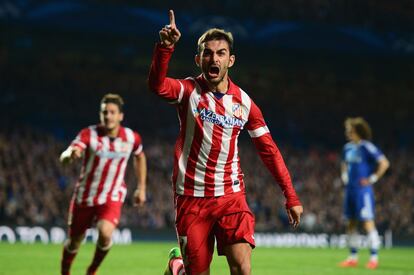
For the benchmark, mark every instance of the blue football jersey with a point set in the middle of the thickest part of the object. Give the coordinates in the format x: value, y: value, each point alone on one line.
x: 361, y: 160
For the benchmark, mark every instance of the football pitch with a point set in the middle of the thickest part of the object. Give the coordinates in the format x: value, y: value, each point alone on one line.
x: 148, y: 258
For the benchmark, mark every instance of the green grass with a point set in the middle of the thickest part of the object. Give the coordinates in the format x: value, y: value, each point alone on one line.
x: 150, y: 258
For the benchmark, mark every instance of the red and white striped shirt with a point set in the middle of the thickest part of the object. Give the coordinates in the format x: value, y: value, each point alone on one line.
x: 206, y: 161
x: 104, y: 163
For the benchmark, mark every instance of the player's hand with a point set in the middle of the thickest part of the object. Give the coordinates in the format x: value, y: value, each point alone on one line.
x: 76, y: 153
x: 169, y: 34
x: 364, y: 182
x: 294, y: 214
x: 369, y: 181
x: 70, y: 154
x: 140, y: 197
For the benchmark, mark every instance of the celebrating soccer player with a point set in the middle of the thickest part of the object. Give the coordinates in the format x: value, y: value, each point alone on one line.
x: 363, y: 165
x: 101, y: 190
x: 207, y: 179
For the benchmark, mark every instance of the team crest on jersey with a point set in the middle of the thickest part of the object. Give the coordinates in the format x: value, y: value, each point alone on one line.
x: 237, y: 110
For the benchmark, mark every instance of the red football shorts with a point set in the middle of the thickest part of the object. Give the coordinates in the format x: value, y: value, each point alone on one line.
x: 199, y: 221
x: 83, y: 217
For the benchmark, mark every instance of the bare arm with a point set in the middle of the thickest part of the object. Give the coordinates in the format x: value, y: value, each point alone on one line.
x: 344, y: 173
x: 383, y: 165
x: 140, y: 167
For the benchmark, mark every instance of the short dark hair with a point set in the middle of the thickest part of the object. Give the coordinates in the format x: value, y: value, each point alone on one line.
x: 361, y: 127
x: 115, y: 99
x: 215, y: 34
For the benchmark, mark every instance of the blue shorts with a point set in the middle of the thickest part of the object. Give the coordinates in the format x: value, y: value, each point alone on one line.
x: 359, y: 204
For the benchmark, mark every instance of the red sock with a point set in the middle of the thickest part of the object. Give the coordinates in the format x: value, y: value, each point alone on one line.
x: 67, y: 259
x: 177, y: 266
x: 98, y: 258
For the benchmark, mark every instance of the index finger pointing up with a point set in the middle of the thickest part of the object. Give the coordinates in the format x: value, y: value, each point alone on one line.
x: 172, y: 18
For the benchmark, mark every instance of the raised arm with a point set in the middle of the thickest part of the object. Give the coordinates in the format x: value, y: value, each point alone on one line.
x: 168, y: 88
x: 272, y: 158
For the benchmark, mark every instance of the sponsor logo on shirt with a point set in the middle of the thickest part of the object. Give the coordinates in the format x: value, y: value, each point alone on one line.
x: 111, y: 154
x: 224, y: 121
x: 122, y: 151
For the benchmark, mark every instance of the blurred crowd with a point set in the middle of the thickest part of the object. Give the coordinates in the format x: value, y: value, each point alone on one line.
x: 53, y: 81
x: 35, y: 189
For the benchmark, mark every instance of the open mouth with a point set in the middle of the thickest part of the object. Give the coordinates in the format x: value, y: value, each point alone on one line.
x: 214, y: 71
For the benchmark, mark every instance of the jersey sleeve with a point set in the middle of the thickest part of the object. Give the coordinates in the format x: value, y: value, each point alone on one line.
x: 138, y: 147
x: 172, y: 90
x: 373, y: 151
x: 270, y: 154
x: 82, y: 139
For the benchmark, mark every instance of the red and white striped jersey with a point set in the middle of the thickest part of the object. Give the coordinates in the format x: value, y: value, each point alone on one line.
x: 206, y: 162
x: 104, y: 163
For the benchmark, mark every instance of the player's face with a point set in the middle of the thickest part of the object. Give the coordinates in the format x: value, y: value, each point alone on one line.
x: 111, y: 116
x: 215, y: 60
x: 350, y: 133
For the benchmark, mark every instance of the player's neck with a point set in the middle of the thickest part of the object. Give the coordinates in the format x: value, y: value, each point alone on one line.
x: 113, y: 133
x: 220, y: 87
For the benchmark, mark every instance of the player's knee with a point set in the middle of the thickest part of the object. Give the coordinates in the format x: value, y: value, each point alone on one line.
x: 105, y: 230
x: 105, y: 239
x: 240, y: 268
x: 352, y: 225
x: 245, y: 268
x: 369, y: 226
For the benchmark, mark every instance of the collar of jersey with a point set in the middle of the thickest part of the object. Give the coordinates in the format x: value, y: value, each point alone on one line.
x: 101, y: 131
x: 205, y: 89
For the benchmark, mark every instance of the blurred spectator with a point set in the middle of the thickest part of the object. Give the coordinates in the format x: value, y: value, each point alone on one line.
x: 32, y: 192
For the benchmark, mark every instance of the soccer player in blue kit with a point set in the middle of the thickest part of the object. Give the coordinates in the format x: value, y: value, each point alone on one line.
x: 363, y: 165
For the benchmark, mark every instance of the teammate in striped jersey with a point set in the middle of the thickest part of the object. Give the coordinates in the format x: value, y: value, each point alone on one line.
x: 363, y: 165
x: 207, y: 179
x: 100, y: 191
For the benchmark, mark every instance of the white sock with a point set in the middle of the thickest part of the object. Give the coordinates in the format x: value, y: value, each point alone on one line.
x: 374, y: 243
x: 353, y: 243
x: 374, y: 240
